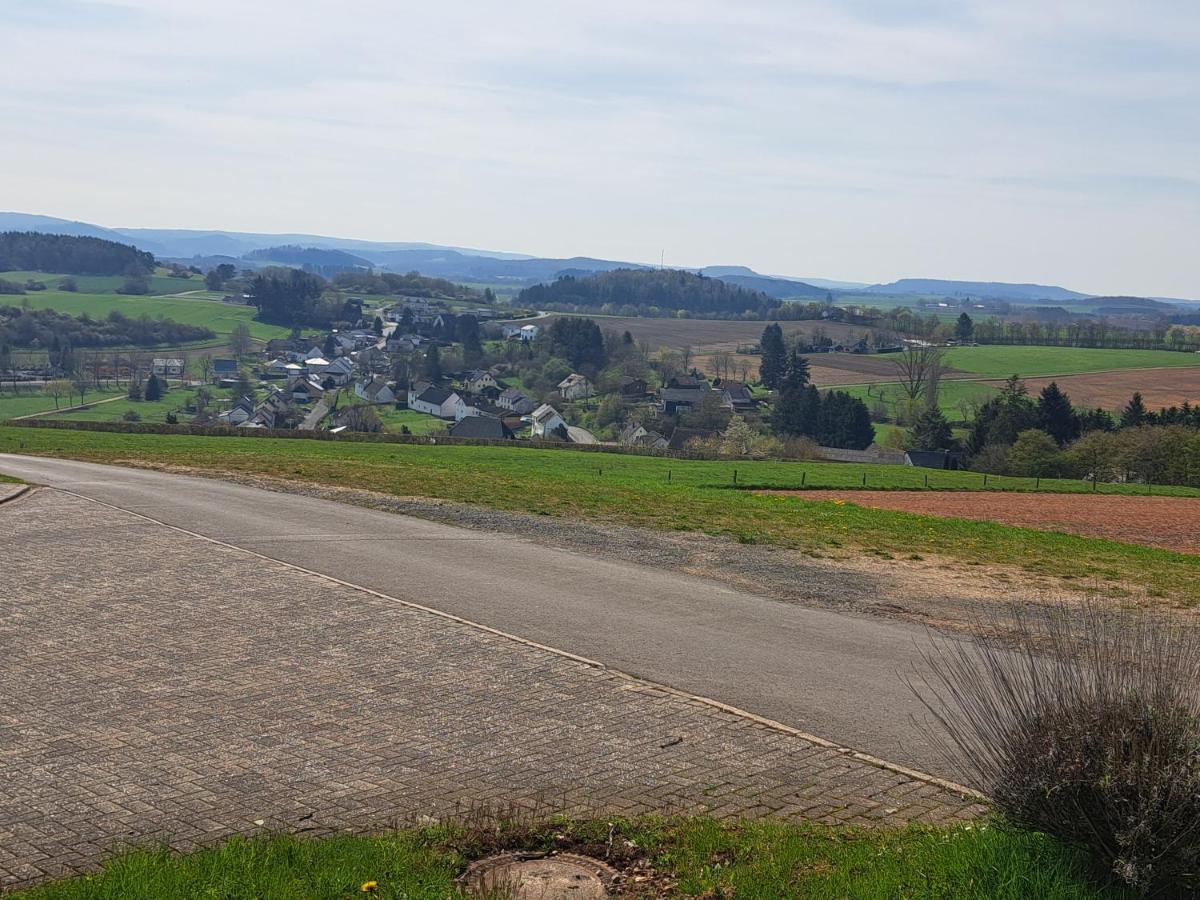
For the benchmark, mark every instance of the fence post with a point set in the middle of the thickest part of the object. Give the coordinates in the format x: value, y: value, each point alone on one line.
x: 735, y: 476
x: 985, y: 479
x: 864, y: 479
x: 668, y: 476
x: 926, y: 481
x: 803, y: 476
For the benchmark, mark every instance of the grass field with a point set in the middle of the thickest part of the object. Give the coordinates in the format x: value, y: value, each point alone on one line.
x: 1029, y: 362
x: 149, y: 410
x: 12, y: 406
x: 673, y: 495
x: 756, y: 861
x: 97, y: 297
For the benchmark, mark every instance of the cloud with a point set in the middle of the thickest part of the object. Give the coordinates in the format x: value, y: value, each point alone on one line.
x: 854, y: 137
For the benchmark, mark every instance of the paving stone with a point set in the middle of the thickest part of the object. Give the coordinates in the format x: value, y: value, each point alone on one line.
x: 158, y: 686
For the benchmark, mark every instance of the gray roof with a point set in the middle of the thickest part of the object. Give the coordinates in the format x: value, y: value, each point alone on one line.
x: 436, y: 395
x: 484, y: 427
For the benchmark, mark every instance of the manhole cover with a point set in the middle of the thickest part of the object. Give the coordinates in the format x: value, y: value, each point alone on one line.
x: 527, y: 876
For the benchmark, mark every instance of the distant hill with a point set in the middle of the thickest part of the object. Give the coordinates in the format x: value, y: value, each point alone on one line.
x: 15, y: 221
x: 639, y: 290
x: 311, y: 259
x: 780, y: 288
x: 991, y: 290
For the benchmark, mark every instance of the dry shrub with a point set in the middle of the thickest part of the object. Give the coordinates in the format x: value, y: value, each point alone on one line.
x: 1086, y: 727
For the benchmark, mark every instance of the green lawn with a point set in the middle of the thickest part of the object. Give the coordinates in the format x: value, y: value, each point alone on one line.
x: 1030, y: 362
x: 951, y: 395
x: 23, y: 404
x: 673, y: 495
x: 97, y: 298
x: 149, y: 410
x: 751, y: 861
x: 417, y: 423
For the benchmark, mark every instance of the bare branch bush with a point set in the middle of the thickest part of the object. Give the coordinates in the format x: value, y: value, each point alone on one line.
x: 1085, y: 726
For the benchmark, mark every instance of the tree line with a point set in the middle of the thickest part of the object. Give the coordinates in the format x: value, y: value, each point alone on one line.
x: 46, y: 329
x: 70, y: 254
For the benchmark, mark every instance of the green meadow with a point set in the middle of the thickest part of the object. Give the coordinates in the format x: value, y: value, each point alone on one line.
x: 670, y: 494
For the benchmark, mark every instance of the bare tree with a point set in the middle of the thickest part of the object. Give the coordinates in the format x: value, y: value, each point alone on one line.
x: 57, y: 389
x: 916, y: 367
x: 206, y: 367
x: 239, y: 340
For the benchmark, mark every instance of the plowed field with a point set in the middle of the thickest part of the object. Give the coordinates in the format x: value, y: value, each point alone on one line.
x: 1172, y: 523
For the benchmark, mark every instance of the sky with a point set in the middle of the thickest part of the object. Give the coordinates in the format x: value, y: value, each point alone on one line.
x: 865, y: 140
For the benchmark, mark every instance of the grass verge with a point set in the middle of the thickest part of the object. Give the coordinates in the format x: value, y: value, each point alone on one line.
x: 687, y: 858
x: 668, y: 494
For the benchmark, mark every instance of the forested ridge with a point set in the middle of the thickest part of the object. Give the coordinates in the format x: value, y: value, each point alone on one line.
x: 70, y: 255
x: 649, y: 292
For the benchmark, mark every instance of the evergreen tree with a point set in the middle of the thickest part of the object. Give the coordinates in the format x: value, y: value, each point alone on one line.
x: 154, y: 389
x: 407, y: 322
x: 930, y: 431
x: 1096, y: 420
x: 1056, y: 416
x: 377, y: 326
x: 432, y: 368
x: 627, y: 339
x: 772, y: 368
x: 1134, y: 413
x: 964, y: 328
x: 135, y: 389
x: 329, y: 348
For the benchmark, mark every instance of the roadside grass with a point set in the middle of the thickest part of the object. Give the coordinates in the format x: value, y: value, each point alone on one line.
x: 701, y: 857
x: 9, y: 479
x: 670, y: 494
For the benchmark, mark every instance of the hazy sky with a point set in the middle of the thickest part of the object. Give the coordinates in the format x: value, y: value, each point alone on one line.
x: 1018, y: 140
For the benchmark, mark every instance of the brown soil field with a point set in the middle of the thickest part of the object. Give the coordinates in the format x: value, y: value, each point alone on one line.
x: 1168, y: 386
x: 1172, y: 523
x: 714, y: 334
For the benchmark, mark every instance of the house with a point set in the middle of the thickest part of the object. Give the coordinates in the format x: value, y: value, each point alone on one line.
x: 477, y: 379
x: 341, y: 370
x: 375, y: 391
x: 521, y: 332
x: 405, y: 343
x: 672, y: 401
x: 547, y: 423
x: 304, y: 390
x: 281, y: 346
x: 436, y: 401
x: 513, y: 399
x: 276, y: 368
x: 481, y: 428
x: 530, y: 332
x: 637, y: 435
x: 511, y: 330
x: 169, y: 367
x: 681, y: 437
x: 933, y: 459
x: 224, y: 368
x: 737, y: 397
x: 631, y: 387
x: 477, y: 406
x: 316, y: 364
x: 575, y: 387
x: 240, y: 412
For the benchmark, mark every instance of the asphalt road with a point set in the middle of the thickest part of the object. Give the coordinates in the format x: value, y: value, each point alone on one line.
x: 828, y: 674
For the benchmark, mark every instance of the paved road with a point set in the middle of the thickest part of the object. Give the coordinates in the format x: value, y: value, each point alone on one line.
x: 825, y: 673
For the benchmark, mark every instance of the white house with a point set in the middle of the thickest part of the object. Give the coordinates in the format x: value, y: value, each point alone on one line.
x: 546, y: 421
x: 530, y: 332
x: 436, y: 401
x: 317, y: 364
x: 575, y: 387
x: 172, y: 368
x: 375, y: 391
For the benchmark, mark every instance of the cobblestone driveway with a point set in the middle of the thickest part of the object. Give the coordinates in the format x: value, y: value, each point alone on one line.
x: 159, y: 687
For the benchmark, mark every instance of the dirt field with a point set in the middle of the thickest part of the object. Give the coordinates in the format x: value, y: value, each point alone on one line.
x: 1112, y: 390
x: 1169, y: 522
